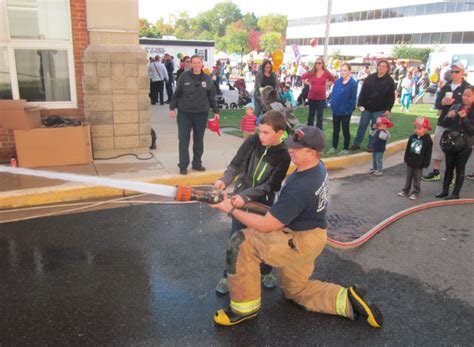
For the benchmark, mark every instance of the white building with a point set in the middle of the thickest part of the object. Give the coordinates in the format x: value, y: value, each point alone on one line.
x: 361, y: 28
x: 186, y: 47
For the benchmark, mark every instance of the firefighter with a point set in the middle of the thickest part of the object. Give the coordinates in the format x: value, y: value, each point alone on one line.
x: 289, y: 237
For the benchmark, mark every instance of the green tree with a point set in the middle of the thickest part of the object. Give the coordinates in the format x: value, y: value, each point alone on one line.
x: 146, y: 29
x: 235, y: 39
x: 224, y: 13
x: 182, y: 25
x: 164, y: 28
x: 273, y: 22
x: 271, y: 41
x: 250, y: 21
x: 409, y: 52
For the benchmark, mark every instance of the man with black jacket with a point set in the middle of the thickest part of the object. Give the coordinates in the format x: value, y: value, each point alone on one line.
x: 261, y: 164
x: 169, y: 65
x: 194, y: 97
x: 375, y: 100
x: 450, y: 93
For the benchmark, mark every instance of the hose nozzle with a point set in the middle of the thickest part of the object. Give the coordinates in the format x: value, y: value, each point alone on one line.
x: 189, y: 194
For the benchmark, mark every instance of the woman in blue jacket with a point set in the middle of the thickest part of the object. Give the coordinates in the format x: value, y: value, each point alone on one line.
x: 343, y: 102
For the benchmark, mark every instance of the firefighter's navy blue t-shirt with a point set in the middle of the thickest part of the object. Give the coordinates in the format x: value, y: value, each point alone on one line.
x: 302, y: 201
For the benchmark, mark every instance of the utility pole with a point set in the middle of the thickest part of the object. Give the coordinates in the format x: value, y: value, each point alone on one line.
x: 328, y: 24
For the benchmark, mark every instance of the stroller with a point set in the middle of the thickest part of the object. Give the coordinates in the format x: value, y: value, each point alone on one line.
x: 271, y: 101
x: 244, y: 95
x: 221, y: 103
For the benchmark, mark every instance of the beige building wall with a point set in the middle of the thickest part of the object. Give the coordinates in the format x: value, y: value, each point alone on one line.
x: 116, y: 83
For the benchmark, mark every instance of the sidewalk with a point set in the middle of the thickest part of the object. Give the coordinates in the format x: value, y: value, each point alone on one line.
x: 19, y: 191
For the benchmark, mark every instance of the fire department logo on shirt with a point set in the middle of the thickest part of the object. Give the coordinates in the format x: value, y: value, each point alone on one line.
x: 322, y: 194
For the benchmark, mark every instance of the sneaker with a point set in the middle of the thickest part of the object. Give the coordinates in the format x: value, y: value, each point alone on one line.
x: 442, y: 194
x: 363, y: 307
x: 432, y: 176
x: 413, y: 197
x: 222, y: 287
x: 402, y: 194
x: 331, y: 151
x: 354, y: 147
x: 229, y: 317
x: 199, y: 168
x: 344, y: 152
x: 270, y: 280
x: 371, y: 171
x: 378, y: 173
x: 470, y: 176
x: 183, y: 171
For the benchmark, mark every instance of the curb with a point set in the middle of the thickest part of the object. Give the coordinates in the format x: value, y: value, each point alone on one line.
x: 75, y: 192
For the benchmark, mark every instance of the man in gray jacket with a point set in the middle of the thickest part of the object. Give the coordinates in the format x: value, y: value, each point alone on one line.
x: 194, y: 97
x: 158, y: 75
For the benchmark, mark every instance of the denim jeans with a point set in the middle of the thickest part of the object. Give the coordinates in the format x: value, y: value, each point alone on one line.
x: 377, y: 163
x: 197, y: 123
x: 316, y: 107
x: 405, y: 100
x: 366, y: 117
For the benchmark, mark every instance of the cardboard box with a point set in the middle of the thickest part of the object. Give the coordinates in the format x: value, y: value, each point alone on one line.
x: 15, y: 115
x: 53, y: 146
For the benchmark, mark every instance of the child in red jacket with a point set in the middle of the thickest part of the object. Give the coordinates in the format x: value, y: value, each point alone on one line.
x: 248, y: 123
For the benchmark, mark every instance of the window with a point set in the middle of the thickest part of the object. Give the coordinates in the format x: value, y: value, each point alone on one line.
x: 374, y: 40
x: 370, y: 15
x: 5, y: 81
x: 430, y: 8
x: 419, y: 10
x: 377, y: 14
x: 398, y: 38
x: 331, y: 41
x: 382, y: 39
x: 416, y: 39
x: 356, y: 16
x: 435, y: 38
x: 360, y: 40
x: 36, y: 52
x: 42, y: 74
x: 457, y: 37
x: 390, y: 39
x: 386, y: 13
x: 425, y: 38
x: 32, y: 19
x: 407, y: 38
x: 468, y: 37
x: 461, y: 6
x: 450, y: 7
x: 439, y: 7
x: 446, y: 37
x: 402, y: 11
x: 411, y: 10
x: 363, y: 15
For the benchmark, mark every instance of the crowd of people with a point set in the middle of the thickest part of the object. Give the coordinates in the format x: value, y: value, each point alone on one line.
x: 291, y: 234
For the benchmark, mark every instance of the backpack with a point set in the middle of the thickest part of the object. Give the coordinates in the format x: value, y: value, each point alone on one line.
x: 452, y: 141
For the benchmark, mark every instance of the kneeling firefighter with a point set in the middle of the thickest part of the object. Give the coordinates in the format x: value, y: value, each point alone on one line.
x: 289, y: 237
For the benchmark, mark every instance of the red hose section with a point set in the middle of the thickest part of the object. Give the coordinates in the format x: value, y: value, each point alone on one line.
x: 382, y: 225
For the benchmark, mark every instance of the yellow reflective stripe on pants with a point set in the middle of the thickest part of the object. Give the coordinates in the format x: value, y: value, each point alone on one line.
x: 245, y: 307
x: 341, y: 302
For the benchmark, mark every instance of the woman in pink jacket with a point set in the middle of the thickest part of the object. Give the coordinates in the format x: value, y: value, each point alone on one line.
x: 317, y: 80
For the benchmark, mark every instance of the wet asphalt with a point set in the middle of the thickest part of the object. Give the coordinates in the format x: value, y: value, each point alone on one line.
x: 145, y: 275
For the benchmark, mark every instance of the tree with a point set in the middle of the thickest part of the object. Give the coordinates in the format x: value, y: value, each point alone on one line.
x: 250, y: 21
x: 235, y: 39
x: 164, y: 28
x: 409, y: 52
x: 273, y: 22
x: 181, y: 25
x: 271, y: 41
x: 225, y: 13
x: 253, y: 43
x: 146, y: 29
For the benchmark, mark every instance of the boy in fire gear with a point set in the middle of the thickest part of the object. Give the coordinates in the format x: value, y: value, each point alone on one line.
x: 290, y: 237
x: 261, y: 164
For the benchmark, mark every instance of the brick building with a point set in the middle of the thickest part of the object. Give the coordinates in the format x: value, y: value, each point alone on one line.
x: 73, y: 59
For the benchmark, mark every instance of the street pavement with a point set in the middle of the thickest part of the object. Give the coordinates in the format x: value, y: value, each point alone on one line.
x: 145, y: 275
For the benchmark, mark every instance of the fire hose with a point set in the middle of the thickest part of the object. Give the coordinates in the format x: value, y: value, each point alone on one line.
x: 214, y: 196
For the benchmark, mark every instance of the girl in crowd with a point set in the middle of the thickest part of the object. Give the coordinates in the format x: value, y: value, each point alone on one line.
x: 265, y: 77
x: 317, y: 80
x: 343, y: 102
x: 407, y: 91
x: 460, y: 118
